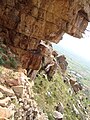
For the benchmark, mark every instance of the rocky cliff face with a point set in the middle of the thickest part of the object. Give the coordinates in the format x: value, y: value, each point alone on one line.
x: 28, y: 27
x: 23, y: 23
x: 42, y: 19
x: 49, y: 99
x: 16, y: 93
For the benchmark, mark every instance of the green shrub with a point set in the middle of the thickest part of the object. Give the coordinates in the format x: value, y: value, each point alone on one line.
x: 7, y: 60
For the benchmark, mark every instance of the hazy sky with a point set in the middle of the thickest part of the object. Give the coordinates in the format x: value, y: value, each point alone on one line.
x: 80, y: 47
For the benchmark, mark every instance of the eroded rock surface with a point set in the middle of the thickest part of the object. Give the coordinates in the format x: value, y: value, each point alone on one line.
x: 23, y: 23
x: 46, y: 20
x: 62, y: 63
x: 18, y: 102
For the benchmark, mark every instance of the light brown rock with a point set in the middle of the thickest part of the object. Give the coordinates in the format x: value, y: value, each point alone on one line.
x: 8, y: 92
x: 18, y: 90
x: 58, y: 115
x: 25, y: 23
x: 5, y: 113
x: 51, y: 69
x: 12, y: 82
x: 72, y: 81
x: 45, y: 48
x: 4, y: 102
x: 3, y: 118
x: 1, y: 95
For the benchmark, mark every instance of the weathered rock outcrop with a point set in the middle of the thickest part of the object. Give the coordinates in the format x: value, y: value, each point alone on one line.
x: 62, y: 63
x: 17, y: 98
x: 74, y: 84
x: 17, y: 101
x: 16, y: 93
x: 46, y: 20
x: 23, y: 23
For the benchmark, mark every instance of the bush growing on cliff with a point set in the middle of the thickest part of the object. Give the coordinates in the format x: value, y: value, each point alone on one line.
x: 6, y: 59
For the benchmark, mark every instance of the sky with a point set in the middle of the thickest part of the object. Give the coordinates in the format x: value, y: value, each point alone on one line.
x: 80, y: 47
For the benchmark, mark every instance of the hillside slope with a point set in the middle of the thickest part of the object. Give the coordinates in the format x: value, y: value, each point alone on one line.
x: 76, y: 63
x: 19, y: 102
x: 49, y: 93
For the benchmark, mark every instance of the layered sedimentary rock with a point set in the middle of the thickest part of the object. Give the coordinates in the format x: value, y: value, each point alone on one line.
x: 23, y: 23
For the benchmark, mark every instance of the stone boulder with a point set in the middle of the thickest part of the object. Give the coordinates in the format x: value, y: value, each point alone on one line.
x: 77, y: 87
x: 60, y: 108
x: 45, y: 48
x: 72, y: 81
x: 57, y: 115
x: 51, y: 69
x: 62, y: 63
x: 6, y: 91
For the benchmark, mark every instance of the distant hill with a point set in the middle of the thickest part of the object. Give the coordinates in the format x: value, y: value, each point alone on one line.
x: 77, y: 64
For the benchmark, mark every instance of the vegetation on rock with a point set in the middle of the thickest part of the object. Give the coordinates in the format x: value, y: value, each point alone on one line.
x: 49, y: 93
x: 7, y: 59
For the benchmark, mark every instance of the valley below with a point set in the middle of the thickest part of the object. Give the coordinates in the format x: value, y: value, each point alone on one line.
x: 77, y: 67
